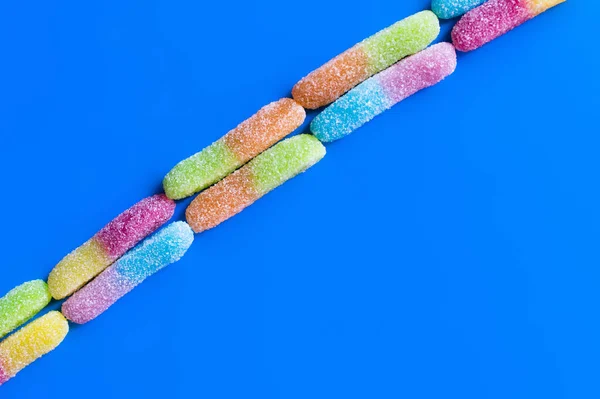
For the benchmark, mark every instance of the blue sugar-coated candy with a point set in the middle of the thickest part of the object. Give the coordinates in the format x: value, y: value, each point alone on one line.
x: 359, y: 105
x: 165, y: 247
x: 446, y: 9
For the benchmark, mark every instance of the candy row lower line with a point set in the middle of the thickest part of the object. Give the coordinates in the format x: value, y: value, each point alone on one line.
x: 245, y: 164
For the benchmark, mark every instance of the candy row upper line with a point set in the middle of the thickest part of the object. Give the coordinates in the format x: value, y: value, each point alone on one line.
x: 245, y: 164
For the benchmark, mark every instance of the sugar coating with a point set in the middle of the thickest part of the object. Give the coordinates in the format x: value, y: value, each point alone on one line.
x: 330, y: 81
x: 325, y: 84
x: 30, y: 343
x: 269, y: 125
x: 110, y: 243
x: 78, y: 267
x: 133, y: 225
x: 420, y: 71
x: 384, y: 90
x: 493, y: 19
x: 199, y: 171
x: 223, y: 200
x: 165, y: 247
x: 348, y: 113
x: 539, y: 6
x: 288, y: 159
x: 265, y: 172
x: 446, y: 9
x: 21, y: 304
x: 251, y: 137
x: 403, y: 38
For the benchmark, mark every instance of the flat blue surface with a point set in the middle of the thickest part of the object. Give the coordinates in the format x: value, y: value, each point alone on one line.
x: 448, y: 249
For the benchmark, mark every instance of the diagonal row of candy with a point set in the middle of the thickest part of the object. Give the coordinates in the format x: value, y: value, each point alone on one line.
x: 245, y: 164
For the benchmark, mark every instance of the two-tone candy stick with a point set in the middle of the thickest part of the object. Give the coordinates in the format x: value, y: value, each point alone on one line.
x: 269, y: 125
x: 109, y: 244
x: 493, y: 19
x: 374, y: 54
x: 384, y: 90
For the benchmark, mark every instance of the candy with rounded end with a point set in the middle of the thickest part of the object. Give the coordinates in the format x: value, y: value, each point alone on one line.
x: 493, y: 19
x: 109, y: 244
x: 327, y: 83
x: 383, y: 90
x: 165, y: 247
x: 446, y: 9
x: 265, y: 172
x: 269, y: 125
x: 21, y: 304
x: 31, y: 342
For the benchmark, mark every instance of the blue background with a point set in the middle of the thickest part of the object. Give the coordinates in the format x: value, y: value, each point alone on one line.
x: 448, y: 249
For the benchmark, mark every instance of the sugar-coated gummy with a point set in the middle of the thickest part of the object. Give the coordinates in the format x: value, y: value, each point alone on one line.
x: 251, y: 137
x: 30, y: 343
x: 446, y: 9
x: 21, y: 304
x: 290, y: 158
x: 165, y: 247
x: 199, y: 170
x: 135, y: 224
x: 109, y: 244
x: 265, y: 172
x: 493, y: 19
x: 383, y: 90
x: 330, y: 81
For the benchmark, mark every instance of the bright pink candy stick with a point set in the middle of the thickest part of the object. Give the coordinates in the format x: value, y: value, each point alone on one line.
x: 493, y: 19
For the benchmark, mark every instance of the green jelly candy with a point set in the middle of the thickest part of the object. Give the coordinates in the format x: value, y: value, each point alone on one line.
x: 200, y: 171
x: 405, y: 37
x: 284, y: 161
x: 21, y: 304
